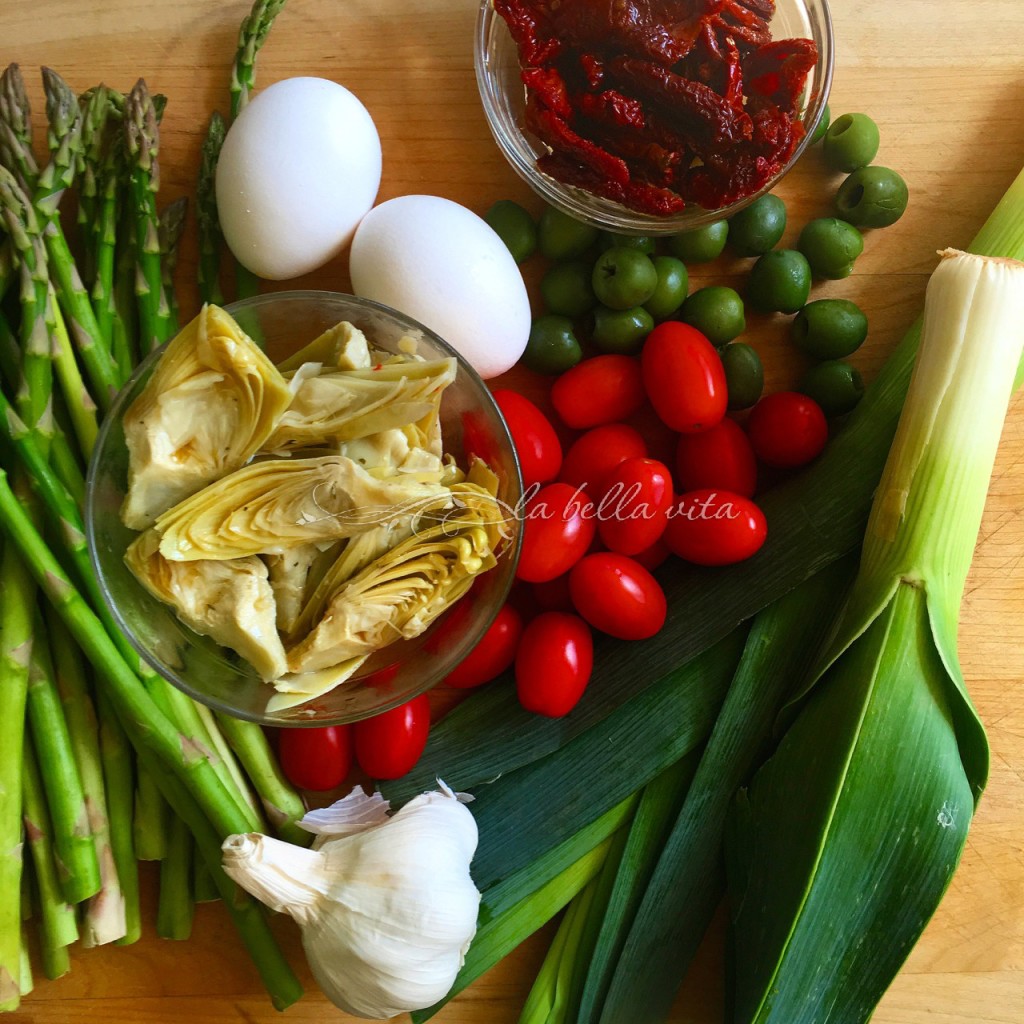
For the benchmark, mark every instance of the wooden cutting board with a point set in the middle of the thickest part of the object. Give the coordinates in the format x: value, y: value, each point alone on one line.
x: 945, y: 82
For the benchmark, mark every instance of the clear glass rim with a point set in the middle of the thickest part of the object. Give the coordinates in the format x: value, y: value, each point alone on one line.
x: 431, y: 677
x: 603, y: 213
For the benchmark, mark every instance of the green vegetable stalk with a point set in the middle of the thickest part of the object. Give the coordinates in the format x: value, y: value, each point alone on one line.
x: 210, y: 239
x: 848, y: 836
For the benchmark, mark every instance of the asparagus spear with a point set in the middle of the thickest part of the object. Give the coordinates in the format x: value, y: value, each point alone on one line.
x: 252, y: 34
x: 10, y: 358
x: 104, y: 919
x: 65, y: 137
x: 176, y: 906
x: 142, y: 139
x: 35, y: 385
x: 120, y: 786
x: 77, y: 865
x: 172, y: 227
x: 15, y: 649
x: 57, y: 926
x: 210, y: 240
x: 16, y: 128
x: 152, y: 818
x: 81, y: 407
x: 283, y: 805
x: 125, y: 324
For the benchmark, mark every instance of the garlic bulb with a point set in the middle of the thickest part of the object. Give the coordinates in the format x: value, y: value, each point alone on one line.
x: 386, y: 904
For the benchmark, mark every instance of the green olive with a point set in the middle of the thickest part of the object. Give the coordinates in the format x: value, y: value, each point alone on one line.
x: 744, y: 375
x: 836, y: 386
x: 671, y: 288
x: 780, y: 282
x: 717, y: 312
x: 609, y: 239
x: 552, y: 347
x: 829, y: 328
x: 566, y: 289
x: 830, y: 245
x: 515, y: 227
x: 823, y: 123
x: 621, y: 331
x: 851, y: 142
x: 872, y: 197
x: 700, y: 246
x: 624, y: 278
x: 562, y: 237
x: 758, y: 228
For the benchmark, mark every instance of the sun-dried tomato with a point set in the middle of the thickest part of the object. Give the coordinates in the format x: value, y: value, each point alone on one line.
x: 549, y: 87
x: 779, y: 70
x: 658, y: 103
x: 556, y: 132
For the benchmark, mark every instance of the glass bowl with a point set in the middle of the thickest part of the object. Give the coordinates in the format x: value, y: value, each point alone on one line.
x: 504, y: 99
x: 216, y: 676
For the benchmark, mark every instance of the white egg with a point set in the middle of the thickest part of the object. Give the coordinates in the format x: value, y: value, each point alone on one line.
x: 300, y: 167
x: 441, y: 264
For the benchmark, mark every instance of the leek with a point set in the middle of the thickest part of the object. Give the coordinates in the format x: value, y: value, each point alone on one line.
x: 860, y: 817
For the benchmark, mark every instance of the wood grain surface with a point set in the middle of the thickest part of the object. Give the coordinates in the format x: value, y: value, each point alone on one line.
x: 945, y: 82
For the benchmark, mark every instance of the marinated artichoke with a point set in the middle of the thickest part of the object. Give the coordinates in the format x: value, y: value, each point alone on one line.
x: 329, y: 408
x: 311, y: 502
x: 399, y: 594
x: 343, y: 347
x: 211, y: 403
x: 269, y: 507
x: 230, y: 602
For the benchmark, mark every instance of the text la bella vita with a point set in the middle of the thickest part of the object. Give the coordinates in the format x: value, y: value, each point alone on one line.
x: 619, y: 503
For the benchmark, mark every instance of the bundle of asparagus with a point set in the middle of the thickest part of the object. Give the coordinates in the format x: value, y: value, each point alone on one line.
x: 102, y: 763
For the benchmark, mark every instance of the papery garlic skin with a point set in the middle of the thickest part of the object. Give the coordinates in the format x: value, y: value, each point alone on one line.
x: 386, y: 905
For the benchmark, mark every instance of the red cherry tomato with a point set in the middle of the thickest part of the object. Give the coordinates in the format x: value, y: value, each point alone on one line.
x: 650, y: 558
x: 534, y: 439
x: 593, y: 455
x: 599, y: 390
x: 632, y: 512
x: 712, y: 527
x: 553, y: 666
x: 684, y: 377
x: 493, y: 653
x: 553, y: 596
x: 618, y: 596
x: 787, y: 429
x: 558, y: 526
x: 718, y: 457
x: 316, y: 759
x: 389, y: 745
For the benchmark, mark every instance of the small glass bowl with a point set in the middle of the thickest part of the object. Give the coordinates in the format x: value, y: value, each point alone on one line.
x: 504, y: 99
x: 216, y: 676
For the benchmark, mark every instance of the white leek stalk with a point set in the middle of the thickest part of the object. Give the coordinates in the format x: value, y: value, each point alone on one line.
x: 842, y: 846
x: 386, y: 904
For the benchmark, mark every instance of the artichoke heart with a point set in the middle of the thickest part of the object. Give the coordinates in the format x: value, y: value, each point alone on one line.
x: 289, y: 573
x: 333, y: 407
x: 211, y: 403
x: 343, y: 347
x: 269, y: 507
x: 293, y: 690
x: 399, y: 594
x: 229, y: 601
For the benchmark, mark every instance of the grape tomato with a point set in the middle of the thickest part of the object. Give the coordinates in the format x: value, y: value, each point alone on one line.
x: 388, y: 745
x: 558, y: 527
x: 684, y: 378
x: 554, y: 663
x: 618, y: 596
x: 533, y: 437
x: 494, y: 652
x: 633, y: 507
x: 721, y: 457
x: 715, y: 527
x: 593, y: 455
x: 599, y: 390
x: 316, y: 759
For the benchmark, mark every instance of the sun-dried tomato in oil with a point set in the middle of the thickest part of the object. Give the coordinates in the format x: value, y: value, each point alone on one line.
x: 657, y: 104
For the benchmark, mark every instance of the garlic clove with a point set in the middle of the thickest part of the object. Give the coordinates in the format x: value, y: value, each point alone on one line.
x: 353, y: 813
